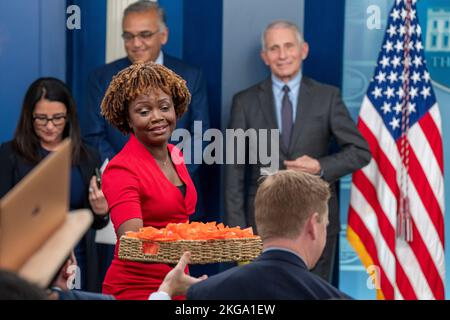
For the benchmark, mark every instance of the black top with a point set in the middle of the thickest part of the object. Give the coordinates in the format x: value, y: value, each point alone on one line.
x: 78, y: 189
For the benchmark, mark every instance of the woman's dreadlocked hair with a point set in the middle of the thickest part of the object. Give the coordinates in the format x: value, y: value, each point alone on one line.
x: 140, y: 79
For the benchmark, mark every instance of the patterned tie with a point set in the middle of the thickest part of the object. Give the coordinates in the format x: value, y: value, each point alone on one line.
x: 286, y: 117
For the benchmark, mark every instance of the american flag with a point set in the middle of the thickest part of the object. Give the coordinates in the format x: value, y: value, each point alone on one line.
x: 396, y: 215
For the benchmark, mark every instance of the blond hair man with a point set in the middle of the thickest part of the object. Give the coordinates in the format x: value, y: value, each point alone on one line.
x: 291, y: 211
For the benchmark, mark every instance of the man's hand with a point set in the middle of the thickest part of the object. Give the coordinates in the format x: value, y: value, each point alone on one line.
x: 176, y: 281
x: 304, y: 164
x: 65, y: 273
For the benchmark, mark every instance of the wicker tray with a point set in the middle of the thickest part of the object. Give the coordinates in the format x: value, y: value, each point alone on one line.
x: 202, y: 251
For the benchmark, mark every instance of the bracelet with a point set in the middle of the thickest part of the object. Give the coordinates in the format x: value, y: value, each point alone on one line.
x: 104, y: 216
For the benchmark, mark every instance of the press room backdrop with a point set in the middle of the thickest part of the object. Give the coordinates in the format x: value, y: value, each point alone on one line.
x: 223, y: 38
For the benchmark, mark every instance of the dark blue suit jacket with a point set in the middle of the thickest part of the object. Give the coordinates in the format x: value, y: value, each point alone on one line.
x: 107, y: 139
x: 274, y: 275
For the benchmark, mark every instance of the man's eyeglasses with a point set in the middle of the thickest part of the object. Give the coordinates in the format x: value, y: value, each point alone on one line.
x: 144, y: 35
x: 57, y: 120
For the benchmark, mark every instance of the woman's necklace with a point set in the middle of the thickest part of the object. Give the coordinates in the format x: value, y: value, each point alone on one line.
x: 164, y: 163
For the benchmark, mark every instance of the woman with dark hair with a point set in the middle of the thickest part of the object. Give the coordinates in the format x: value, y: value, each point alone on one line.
x: 48, y: 116
x: 147, y: 183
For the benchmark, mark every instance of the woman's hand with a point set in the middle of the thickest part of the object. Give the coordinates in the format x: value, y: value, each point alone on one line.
x: 97, y: 199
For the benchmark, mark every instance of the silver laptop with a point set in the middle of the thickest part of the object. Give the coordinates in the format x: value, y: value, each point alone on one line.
x: 35, y: 208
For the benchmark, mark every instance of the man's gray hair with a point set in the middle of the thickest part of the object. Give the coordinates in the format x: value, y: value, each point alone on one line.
x: 281, y: 24
x: 144, y: 6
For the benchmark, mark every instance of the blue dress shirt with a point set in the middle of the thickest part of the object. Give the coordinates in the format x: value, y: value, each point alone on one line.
x: 278, y: 93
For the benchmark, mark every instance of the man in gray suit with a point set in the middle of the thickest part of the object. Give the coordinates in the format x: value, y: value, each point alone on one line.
x: 309, y: 115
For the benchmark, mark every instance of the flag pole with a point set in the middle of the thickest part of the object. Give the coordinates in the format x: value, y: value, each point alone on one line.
x: 404, y: 224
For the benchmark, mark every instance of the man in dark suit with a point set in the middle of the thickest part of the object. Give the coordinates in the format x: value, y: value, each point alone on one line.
x: 310, y: 115
x: 291, y: 213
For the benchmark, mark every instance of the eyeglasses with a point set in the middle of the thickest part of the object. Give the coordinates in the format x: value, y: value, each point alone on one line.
x: 144, y: 35
x: 57, y: 120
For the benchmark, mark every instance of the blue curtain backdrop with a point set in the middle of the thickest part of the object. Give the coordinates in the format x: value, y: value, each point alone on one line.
x: 85, y: 47
x: 324, y: 32
x: 203, y: 48
x: 32, y: 45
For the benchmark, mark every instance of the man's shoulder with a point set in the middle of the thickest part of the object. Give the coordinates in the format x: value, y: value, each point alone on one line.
x: 323, y: 289
x: 180, y: 67
x: 266, y: 84
x: 107, y: 71
x: 220, y: 284
x: 253, y: 90
x: 318, y: 86
x: 251, y: 281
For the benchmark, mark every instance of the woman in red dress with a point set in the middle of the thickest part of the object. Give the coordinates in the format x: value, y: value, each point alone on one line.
x: 147, y: 183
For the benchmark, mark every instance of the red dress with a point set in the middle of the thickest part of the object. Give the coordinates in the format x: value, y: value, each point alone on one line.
x: 135, y: 187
